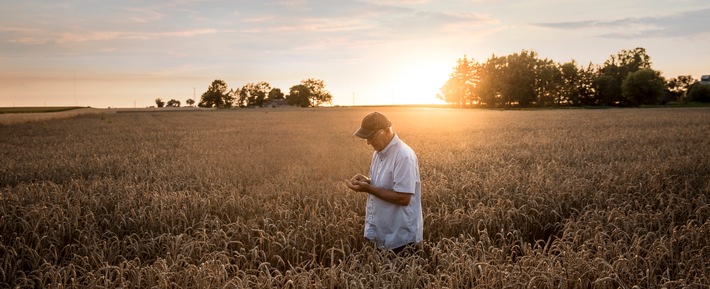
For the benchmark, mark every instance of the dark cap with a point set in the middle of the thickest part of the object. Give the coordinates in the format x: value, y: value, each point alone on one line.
x: 371, y: 124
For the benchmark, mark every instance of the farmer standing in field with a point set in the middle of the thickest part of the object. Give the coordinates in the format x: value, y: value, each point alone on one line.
x: 394, y: 212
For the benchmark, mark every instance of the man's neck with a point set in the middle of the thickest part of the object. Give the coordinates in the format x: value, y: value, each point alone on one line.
x: 390, y: 137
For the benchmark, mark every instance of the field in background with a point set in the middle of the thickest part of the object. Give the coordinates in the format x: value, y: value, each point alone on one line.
x: 16, y: 115
x: 36, y: 109
x: 255, y: 198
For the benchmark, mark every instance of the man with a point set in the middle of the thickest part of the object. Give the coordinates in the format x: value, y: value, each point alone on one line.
x: 394, y: 213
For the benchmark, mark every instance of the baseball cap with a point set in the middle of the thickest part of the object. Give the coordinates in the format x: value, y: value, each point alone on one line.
x: 371, y: 124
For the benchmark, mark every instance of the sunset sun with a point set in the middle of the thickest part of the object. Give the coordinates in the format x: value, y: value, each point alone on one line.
x: 418, y: 82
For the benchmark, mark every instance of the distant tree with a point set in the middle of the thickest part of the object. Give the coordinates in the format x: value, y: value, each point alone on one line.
x: 216, y: 96
x: 699, y: 93
x: 253, y: 94
x: 299, y: 95
x: 159, y: 102
x: 644, y: 86
x: 260, y: 91
x: 309, y: 93
x: 523, y: 79
x: 549, y: 85
x: 318, y: 94
x: 587, y: 78
x: 240, y: 96
x: 490, y: 81
x: 275, y: 94
x: 173, y: 103
x: 234, y: 97
x: 519, y: 78
x: 459, y: 88
x: 679, y: 86
x: 190, y: 102
x: 614, y: 71
x: 514, y: 80
x: 572, y: 83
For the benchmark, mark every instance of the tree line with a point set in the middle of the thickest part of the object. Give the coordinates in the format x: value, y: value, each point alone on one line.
x: 172, y: 103
x: 524, y: 80
x: 309, y: 93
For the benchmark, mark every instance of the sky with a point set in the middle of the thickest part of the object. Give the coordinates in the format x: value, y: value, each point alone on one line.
x: 127, y: 53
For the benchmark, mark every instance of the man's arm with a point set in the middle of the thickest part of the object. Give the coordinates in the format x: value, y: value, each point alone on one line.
x: 389, y: 196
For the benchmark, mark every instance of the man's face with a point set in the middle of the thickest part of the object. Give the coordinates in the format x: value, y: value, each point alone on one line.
x: 378, y: 141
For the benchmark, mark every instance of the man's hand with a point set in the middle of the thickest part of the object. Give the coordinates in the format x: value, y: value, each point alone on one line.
x: 359, y: 183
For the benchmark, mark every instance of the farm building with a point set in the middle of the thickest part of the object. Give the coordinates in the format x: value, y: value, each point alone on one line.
x: 705, y: 79
x: 275, y: 103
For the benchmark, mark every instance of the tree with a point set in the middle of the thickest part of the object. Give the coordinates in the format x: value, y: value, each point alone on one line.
x: 318, y: 94
x: 240, y: 96
x: 679, y: 86
x: 190, y: 101
x: 298, y: 95
x: 522, y: 79
x: 615, y: 69
x: 513, y: 80
x: 159, y: 102
x: 275, y: 94
x: 490, y: 80
x: 216, y: 96
x: 309, y: 93
x: 459, y: 88
x: 699, y: 93
x: 574, y: 84
x: 244, y: 95
x: 644, y: 86
x: 519, y: 76
x: 262, y: 90
x: 173, y: 103
x: 549, y: 85
x: 253, y: 94
x: 587, y: 78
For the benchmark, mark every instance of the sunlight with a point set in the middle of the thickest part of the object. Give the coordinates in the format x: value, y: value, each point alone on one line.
x: 419, y: 81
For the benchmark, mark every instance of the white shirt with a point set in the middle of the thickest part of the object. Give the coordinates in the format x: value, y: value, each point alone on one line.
x: 389, y: 225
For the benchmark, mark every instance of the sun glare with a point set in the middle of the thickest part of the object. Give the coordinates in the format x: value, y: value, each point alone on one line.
x: 419, y: 83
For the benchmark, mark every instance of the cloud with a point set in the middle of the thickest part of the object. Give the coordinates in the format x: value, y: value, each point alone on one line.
x: 187, y: 33
x: 401, y: 2
x: 365, y: 19
x: 343, y: 32
x: 144, y: 15
x: 306, y: 24
x: 259, y: 19
x: 692, y: 23
x: 38, y: 36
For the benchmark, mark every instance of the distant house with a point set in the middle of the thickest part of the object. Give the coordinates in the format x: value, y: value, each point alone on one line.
x: 275, y: 103
x: 705, y: 79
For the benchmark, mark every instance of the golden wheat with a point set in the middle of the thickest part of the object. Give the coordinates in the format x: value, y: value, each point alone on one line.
x: 254, y: 198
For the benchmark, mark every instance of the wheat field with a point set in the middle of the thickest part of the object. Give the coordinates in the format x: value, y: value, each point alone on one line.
x: 254, y: 198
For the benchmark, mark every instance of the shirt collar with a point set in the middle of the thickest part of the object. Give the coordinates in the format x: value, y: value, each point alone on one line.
x: 389, y: 147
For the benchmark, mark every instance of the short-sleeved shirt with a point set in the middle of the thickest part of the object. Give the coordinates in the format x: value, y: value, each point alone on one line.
x: 389, y: 225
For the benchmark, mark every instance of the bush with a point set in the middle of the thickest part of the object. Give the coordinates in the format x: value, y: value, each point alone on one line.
x: 645, y: 86
x: 699, y: 93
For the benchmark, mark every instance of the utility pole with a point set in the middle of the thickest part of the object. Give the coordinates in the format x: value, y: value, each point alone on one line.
x: 75, y: 102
